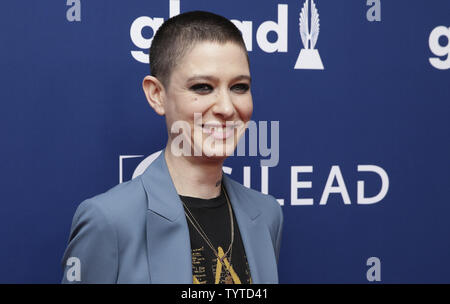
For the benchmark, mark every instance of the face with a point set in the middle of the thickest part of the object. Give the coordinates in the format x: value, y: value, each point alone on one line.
x: 209, y: 92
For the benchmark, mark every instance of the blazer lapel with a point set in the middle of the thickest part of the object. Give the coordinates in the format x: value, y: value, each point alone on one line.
x: 255, y: 234
x: 168, y: 243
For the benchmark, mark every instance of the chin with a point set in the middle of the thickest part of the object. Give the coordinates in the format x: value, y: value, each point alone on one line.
x: 219, y: 152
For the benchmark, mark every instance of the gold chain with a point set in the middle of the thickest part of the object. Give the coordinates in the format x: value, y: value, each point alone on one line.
x: 202, y: 233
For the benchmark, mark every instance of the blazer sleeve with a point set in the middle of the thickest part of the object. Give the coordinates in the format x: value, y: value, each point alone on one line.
x: 91, y: 255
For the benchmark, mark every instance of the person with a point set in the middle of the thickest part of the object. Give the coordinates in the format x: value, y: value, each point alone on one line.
x: 183, y: 220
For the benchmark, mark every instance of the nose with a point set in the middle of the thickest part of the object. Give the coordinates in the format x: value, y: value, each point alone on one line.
x: 224, y: 106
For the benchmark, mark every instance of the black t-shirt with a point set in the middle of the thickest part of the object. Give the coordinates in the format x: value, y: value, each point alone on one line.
x: 213, y: 217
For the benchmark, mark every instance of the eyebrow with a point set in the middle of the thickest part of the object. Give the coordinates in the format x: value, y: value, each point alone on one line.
x: 215, y: 79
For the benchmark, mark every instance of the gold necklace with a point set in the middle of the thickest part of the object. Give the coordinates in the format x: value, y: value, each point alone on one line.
x: 202, y: 233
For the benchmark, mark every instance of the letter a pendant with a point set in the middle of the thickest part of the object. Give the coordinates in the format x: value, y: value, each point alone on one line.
x: 228, y: 279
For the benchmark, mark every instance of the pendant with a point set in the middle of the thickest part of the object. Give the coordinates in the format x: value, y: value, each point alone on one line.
x: 228, y: 279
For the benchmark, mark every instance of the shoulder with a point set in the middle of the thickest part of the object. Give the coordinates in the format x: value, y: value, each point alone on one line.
x: 121, y: 205
x: 101, y: 226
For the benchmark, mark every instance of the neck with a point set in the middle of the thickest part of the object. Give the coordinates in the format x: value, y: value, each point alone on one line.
x: 194, y: 177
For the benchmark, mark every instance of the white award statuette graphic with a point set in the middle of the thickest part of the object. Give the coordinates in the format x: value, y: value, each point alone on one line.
x: 309, y: 57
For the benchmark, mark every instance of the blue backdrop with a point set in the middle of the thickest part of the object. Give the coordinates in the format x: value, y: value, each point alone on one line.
x: 74, y: 111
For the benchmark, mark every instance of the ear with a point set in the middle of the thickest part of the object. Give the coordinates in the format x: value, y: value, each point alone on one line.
x: 155, y: 93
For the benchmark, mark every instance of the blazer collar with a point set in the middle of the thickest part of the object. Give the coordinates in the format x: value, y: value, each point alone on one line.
x: 162, y: 197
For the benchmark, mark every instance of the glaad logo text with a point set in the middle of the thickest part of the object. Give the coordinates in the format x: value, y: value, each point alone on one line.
x: 280, y: 27
x: 442, y: 62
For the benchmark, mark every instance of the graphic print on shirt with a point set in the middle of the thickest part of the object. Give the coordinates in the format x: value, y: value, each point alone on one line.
x: 223, y: 273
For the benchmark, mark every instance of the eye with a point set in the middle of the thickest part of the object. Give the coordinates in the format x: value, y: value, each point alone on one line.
x: 240, y: 88
x: 201, y: 88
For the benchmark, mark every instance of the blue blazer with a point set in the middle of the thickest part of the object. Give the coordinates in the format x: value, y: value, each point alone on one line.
x: 137, y: 232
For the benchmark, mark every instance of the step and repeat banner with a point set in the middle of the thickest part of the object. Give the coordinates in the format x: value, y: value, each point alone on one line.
x: 352, y: 96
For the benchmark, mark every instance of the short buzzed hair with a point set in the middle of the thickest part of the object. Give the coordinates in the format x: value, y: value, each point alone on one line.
x: 180, y: 33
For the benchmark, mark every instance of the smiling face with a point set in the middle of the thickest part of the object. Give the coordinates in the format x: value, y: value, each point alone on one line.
x: 211, y: 80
